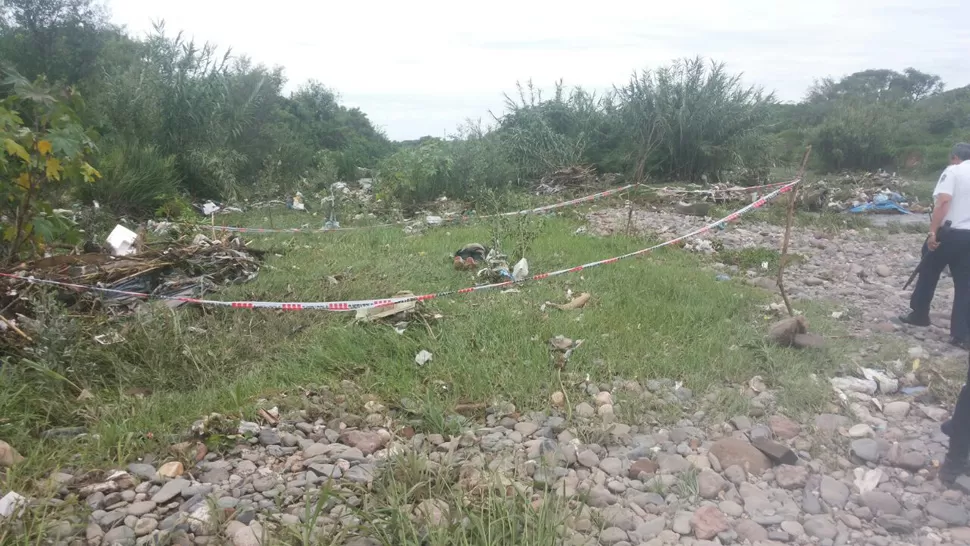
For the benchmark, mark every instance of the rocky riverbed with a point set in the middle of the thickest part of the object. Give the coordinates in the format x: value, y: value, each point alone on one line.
x: 859, y: 271
x: 751, y: 480
x: 863, y: 473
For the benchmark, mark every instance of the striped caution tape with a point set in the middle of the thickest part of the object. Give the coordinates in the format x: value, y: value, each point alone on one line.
x: 458, y: 219
x: 353, y: 305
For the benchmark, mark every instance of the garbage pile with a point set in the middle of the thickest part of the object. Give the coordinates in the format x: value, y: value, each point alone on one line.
x: 878, y: 192
x: 184, y: 268
x: 576, y: 176
x: 714, y: 193
x: 363, y: 193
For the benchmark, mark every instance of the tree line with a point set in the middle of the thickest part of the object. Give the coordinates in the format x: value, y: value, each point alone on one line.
x: 142, y: 125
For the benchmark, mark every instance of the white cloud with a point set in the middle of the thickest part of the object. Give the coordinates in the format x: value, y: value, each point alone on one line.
x: 422, y: 67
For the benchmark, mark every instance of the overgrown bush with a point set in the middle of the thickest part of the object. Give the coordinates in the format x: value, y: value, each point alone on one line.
x: 479, y: 161
x: 415, y: 175
x: 692, y: 120
x: 856, y: 136
x: 136, y: 180
x: 542, y: 136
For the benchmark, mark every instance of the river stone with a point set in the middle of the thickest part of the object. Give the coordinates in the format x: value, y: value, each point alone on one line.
x: 730, y: 452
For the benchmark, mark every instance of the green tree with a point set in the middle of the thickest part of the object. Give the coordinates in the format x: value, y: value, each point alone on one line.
x: 60, y: 39
x: 880, y: 85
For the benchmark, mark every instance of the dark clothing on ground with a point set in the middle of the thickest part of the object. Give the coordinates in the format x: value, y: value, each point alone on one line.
x: 953, y: 252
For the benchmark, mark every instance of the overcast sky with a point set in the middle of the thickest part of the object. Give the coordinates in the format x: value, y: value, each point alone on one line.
x: 424, y: 66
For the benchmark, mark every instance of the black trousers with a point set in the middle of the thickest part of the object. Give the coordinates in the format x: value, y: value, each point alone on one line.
x: 960, y: 437
x: 954, y: 251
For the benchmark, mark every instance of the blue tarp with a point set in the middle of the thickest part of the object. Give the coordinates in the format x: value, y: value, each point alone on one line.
x: 883, y: 202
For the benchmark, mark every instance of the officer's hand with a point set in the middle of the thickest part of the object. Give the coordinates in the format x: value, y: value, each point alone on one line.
x: 931, y: 242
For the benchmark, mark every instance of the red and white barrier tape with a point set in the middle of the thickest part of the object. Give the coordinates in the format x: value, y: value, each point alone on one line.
x: 538, y: 210
x: 353, y: 305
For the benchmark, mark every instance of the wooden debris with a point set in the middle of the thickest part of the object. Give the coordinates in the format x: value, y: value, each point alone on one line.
x: 578, y: 302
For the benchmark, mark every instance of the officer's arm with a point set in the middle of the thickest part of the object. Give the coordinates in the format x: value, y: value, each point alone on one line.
x: 940, y: 210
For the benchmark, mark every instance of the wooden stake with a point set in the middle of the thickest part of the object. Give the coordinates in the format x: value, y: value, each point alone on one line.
x: 213, y: 218
x: 13, y: 327
x: 629, y: 212
x: 788, y: 225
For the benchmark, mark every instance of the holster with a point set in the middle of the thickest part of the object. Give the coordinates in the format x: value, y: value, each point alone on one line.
x: 944, y: 231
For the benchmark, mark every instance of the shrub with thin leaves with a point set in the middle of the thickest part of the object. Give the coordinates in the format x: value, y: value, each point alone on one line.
x: 693, y: 120
x: 136, y: 180
x: 544, y: 135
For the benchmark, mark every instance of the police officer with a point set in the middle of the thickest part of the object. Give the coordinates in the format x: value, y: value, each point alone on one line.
x: 952, y: 203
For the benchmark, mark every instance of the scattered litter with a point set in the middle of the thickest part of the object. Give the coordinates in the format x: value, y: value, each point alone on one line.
x: 297, y: 202
x: 722, y: 277
x: 884, y: 201
x: 837, y: 314
x: 209, y: 208
x: 774, y: 309
x: 563, y: 348
x: 109, y: 338
x: 886, y: 383
x: 331, y: 224
x: 512, y: 291
x: 401, y: 327
x: 160, y: 228
x: 577, y: 303
x: 757, y: 384
x: 201, y: 240
x: 561, y: 343
x: 581, y: 230
x: 854, y: 384
x: 521, y: 270
x: 176, y: 270
x: 11, y: 503
x: 498, y: 268
x: 702, y: 246
x: 867, y: 480
x: 122, y: 241
x: 423, y: 358
x: 434, y: 220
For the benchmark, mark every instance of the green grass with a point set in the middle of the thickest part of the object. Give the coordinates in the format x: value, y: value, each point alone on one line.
x: 662, y: 316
